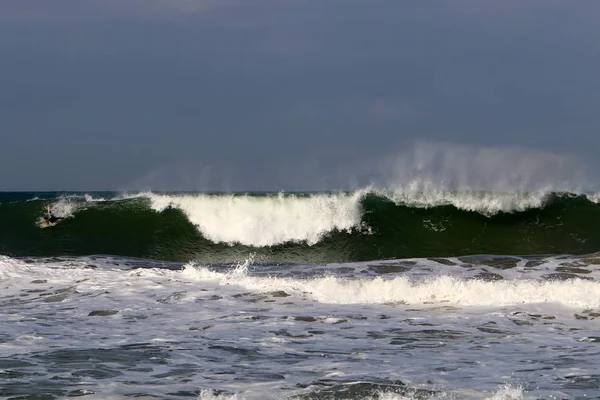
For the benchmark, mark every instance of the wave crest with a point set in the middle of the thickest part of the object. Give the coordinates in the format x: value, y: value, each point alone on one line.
x: 420, y: 194
x: 443, y: 289
x: 266, y: 220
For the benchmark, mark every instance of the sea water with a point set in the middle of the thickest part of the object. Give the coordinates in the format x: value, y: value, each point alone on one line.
x: 265, y: 325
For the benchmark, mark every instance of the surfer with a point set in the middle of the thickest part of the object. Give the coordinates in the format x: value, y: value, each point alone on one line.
x: 50, y: 218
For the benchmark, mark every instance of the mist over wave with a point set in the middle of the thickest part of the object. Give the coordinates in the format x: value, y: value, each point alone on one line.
x: 456, y: 167
x: 432, y: 165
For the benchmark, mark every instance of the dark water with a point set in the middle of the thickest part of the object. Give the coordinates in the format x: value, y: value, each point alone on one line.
x: 561, y: 224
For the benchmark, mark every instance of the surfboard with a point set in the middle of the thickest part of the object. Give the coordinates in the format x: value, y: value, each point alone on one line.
x: 46, y: 224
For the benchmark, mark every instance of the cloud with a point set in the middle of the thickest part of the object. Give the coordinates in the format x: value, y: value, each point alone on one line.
x: 134, y: 7
x: 489, y: 8
x: 182, y: 176
x: 74, y: 10
x: 287, y: 44
x: 392, y: 109
x: 382, y: 109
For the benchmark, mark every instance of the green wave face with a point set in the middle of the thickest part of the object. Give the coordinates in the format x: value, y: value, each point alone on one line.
x: 306, y: 228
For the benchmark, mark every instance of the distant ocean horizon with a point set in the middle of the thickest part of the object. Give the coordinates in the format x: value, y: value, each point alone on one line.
x: 373, y: 293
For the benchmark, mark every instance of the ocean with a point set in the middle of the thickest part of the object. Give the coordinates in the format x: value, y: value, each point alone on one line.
x: 366, y: 294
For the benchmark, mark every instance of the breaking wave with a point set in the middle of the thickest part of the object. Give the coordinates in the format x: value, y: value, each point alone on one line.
x: 368, y: 224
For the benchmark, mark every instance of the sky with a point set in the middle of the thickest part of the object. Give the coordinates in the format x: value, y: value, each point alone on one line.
x: 253, y: 95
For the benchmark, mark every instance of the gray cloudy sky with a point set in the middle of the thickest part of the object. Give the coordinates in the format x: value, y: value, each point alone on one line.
x: 293, y: 94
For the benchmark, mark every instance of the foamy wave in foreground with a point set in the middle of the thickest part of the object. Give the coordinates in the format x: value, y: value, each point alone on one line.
x: 10, y: 267
x: 436, y: 290
x: 186, y: 328
x: 505, y: 392
x: 266, y: 220
x: 401, y: 290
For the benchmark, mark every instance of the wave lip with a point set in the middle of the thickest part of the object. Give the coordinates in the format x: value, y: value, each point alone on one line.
x: 423, y: 195
x: 266, y: 220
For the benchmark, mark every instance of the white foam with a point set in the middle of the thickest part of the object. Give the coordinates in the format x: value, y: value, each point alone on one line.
x: 90, y: 198
x: 507, y: 392
x: 266, y: 220
x: 66, y: 206
x: 593, y: 197
x: 184, y: 313
x: 424, y: 194
x: 206, y: 394
x: 10, y: 267
x: 401, y: 290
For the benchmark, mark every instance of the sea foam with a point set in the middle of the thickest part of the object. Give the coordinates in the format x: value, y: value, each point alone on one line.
x: 444, y: 289
x: 266, y: 220
x: 423, y: 194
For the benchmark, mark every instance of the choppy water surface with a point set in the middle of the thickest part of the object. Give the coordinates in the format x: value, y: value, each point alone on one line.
x: 445, y: 328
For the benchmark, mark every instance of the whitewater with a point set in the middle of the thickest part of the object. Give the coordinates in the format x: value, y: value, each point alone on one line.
x: 265, y: 221
x: 107, y: 327
x: 367, y: 294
